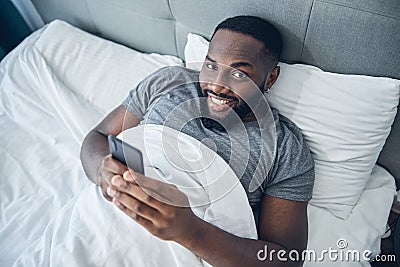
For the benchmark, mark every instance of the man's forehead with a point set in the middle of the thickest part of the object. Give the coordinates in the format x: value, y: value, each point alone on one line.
x: 230, y: 43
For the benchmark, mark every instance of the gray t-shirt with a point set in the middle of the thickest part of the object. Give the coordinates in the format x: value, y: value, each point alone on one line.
x: 289, y: 175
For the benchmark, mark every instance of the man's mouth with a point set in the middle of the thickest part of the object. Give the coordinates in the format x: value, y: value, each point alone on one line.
x: 220, y: 101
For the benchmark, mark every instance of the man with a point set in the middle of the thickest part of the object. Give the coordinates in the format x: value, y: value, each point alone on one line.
x: 243, y: 52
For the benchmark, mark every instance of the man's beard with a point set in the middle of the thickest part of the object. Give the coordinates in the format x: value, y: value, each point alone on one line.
x: 225, y: 119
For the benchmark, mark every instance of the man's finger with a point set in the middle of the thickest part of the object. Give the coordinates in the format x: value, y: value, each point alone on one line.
x: 119, y: 182
x: 128, y: 175
x: 146, y: 182
x: 134, y: 190
x: 163, y: 192
x: 112, y: 165
x: 138, y: 207
x: 157, y: 200
x: 142, y: 221
x: 105, y: 194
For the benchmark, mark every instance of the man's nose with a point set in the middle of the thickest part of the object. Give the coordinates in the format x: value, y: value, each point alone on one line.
x: 219, y: 85
x: 218, y: 88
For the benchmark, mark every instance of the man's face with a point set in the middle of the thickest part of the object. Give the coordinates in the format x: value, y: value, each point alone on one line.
x: 234, y: 75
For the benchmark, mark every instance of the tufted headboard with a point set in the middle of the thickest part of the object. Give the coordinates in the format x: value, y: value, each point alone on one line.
x: 345, y: 36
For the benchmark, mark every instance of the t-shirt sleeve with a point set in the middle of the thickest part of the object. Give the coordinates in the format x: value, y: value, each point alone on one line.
x: 292, y: 176
x: 147, y: 92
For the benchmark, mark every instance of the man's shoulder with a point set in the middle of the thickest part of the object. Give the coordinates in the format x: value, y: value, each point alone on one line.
x: 165, y: 79
x: 292, y: 146
x: 285, y: 128
x: 292, y: 174
x: 173, y: 73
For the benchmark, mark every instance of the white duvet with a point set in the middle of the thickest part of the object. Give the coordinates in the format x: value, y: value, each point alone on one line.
x: 51, y: 215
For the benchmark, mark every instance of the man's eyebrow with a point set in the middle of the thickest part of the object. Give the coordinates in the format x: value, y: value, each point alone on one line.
x: 210, y: 59
x: 233, y: 65
x: 241, y: 64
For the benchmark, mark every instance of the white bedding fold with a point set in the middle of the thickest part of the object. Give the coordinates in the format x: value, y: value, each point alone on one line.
x: 95, y: 232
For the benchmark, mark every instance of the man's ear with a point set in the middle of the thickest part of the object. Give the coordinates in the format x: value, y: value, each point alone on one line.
x: 272, y: 77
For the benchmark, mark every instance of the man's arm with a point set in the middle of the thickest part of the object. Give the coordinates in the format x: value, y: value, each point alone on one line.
x: 283, y: 224
x: 96, y: 161
x: 282, y: 228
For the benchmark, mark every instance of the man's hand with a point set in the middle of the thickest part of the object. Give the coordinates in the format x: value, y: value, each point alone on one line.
x: 159, y: 207
x: 98, y: 165
x: 164, y: 211
x: 109, y: 168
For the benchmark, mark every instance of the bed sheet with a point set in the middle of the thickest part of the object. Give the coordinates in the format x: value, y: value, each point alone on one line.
x: 40, y: 170
x: 41, y: 175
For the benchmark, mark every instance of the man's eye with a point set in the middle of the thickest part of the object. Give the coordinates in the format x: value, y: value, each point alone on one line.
x: 239, y: 74
x: 211, y: 66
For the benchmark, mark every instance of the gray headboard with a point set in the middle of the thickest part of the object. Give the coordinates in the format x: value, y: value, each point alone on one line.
x: 346, y: 36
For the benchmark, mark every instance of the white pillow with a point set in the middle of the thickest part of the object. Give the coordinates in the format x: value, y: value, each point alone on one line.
x: 195, y: 51
x: 101, y: 71
x: 344, y: 118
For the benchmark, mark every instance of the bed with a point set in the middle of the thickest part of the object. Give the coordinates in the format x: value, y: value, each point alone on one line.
x: 339, y: 84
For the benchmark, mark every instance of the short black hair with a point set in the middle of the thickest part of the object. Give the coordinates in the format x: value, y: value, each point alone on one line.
x: 259, y: 29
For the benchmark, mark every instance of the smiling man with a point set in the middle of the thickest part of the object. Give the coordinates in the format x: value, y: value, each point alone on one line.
x: 225, y: 99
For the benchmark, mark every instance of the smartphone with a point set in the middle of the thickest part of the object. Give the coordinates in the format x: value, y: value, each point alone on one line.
x: 126, y: 154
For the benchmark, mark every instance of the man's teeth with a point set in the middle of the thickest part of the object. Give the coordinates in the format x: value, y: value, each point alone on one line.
x: 219, y: 101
